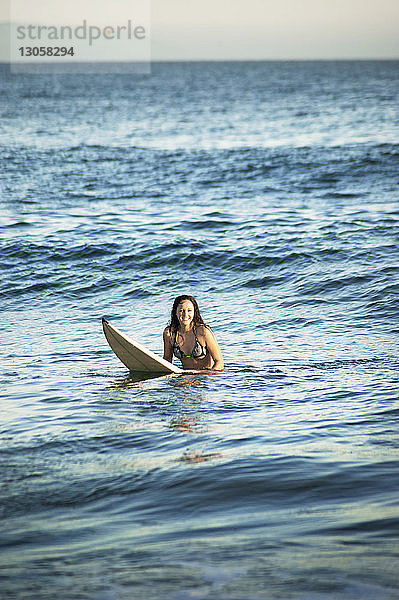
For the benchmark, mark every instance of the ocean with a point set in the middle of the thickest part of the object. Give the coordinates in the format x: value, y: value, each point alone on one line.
x: 269, y: 191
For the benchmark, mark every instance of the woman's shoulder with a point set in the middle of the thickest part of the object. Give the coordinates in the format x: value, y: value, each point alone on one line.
x: 204, y: 329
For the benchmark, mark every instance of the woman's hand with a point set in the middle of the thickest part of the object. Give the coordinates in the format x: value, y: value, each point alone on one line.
x: 167, y: 345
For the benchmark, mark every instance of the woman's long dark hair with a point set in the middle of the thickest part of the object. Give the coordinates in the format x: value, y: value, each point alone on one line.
x: 174, y: 321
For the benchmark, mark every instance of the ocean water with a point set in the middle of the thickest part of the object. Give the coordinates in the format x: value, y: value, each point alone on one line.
x: 270, y: 192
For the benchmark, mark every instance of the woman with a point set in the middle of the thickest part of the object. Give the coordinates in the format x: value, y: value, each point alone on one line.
x: 189, y: 339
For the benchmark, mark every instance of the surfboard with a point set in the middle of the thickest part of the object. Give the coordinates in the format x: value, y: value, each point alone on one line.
x: 135, y: 356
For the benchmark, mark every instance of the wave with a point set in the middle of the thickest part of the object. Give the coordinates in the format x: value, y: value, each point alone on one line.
x: 53, y: 252
x: 223, y: 484
x: 312, y: 275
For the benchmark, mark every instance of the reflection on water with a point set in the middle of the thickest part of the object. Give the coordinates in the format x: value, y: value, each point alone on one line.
x: 187, y: 380
x: 179, y: 379
x: 199, y: 457
x: 185, y: 424
x: 178, y: 403
x: 137, y: 377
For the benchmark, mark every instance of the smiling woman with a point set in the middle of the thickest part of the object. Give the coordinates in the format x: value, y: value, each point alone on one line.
x: 189, y: 339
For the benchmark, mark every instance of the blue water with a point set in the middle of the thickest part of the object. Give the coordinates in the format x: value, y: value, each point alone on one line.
x: 269, y: 192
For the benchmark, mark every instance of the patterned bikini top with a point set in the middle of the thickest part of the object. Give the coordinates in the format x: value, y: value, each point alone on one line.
x: 197, y: 352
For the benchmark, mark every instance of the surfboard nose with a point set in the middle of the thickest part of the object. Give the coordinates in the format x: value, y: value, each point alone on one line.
x: 103, y: 320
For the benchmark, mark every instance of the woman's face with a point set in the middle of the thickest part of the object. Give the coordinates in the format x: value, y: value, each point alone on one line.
x: 185, y: 312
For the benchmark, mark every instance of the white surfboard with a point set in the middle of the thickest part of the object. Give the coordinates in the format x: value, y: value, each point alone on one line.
x: 134, y: 355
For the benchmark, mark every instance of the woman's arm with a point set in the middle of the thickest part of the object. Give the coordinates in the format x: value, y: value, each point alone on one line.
x: 167, y: 345
x: 214, y: 350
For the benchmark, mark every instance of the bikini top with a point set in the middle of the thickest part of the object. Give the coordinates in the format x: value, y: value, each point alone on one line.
x: 197, y: 352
